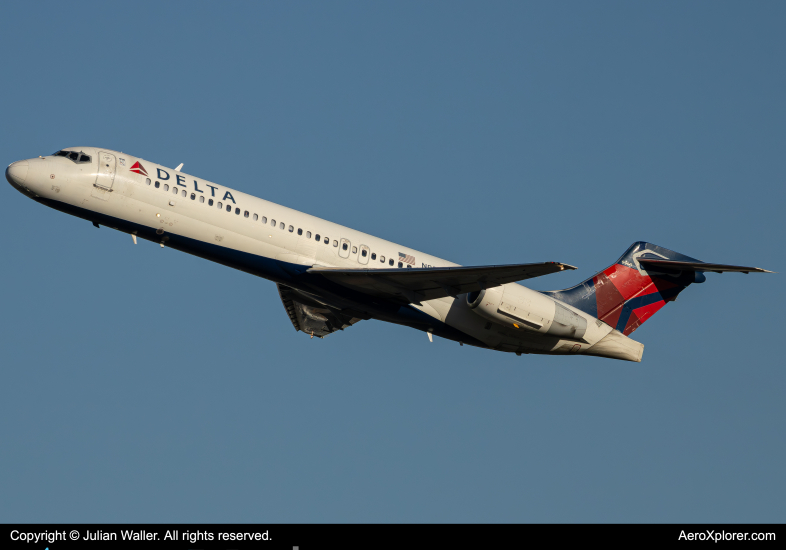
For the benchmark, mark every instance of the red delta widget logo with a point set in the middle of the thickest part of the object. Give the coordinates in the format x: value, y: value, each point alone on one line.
x: 138, y: 168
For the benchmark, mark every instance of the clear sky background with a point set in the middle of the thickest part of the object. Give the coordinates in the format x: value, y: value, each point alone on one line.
x: 141, y: 384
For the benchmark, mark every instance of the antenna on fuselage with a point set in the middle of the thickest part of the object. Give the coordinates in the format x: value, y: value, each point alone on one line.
x: 179, y: 166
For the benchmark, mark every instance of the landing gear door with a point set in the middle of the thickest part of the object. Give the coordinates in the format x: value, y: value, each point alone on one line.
x: 106, y: 170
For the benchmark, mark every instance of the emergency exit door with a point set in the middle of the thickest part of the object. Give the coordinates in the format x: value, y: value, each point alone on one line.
x: 343, y: 249
x: 365, y: 252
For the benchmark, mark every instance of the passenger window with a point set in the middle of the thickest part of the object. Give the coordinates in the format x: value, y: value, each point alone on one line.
x: 299, y: 231
x: 175, y: 190
x: 400, y: 264
x: 317, y: 237
x: 382, y: 259
x: 237, y: 211
x: 147, y: 181
x: 291, y: 228
x: 183, y: 192
x: 158, y: 184
x: 308, y: 235
x: 335, y: 243
x: 220, y: 205
x: 229, y: 208
x: 282, y: 225
x: 210, y: 202
x: 373, y: 255
x: 354, y: 250
x: 201, y: 198
x: 166, y: 186
x: 344, y: 246
x: 264, y: 219
x: 193, y: 196
x: 246, y: 214
x: 273, y: 223
x: 391, y: 261
x: 256, y: 217
x: 409, y: 266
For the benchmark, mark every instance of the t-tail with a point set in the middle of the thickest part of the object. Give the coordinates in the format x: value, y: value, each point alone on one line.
x: 641, y: 282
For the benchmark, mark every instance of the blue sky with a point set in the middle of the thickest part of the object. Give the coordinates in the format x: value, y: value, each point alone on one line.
x: 142, y: 384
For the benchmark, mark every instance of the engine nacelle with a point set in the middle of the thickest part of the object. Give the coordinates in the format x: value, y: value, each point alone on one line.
x: 518, y: 307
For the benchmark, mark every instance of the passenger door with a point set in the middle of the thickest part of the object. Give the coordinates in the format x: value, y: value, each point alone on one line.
x: 106, y: 170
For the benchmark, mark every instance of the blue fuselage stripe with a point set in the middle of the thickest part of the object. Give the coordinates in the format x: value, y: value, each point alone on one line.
x: 278, y: 271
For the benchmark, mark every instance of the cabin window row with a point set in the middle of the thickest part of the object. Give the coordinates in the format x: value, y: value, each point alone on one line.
x: 228, y: 207
x: 365, y: 252
x: 281, y: 225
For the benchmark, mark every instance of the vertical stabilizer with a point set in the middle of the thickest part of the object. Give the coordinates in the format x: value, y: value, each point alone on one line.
x: 625, y: 295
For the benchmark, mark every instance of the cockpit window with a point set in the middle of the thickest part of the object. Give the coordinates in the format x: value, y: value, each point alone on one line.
x: 73, y: 155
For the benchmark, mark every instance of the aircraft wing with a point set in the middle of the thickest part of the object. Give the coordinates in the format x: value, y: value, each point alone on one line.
x: 428, y: 283
x: 311, y: 317
x: 698, y: 266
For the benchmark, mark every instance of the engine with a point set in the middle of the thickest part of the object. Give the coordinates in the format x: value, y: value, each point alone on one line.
x: 518, y: 307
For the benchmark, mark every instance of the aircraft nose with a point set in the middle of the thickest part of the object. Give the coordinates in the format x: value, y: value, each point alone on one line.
x: 16, y: 173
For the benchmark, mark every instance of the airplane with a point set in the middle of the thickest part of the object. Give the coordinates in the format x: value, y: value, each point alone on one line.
x: 330, y: 277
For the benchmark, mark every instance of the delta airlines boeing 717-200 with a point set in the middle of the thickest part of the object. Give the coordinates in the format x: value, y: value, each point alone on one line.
x: 330, y: 277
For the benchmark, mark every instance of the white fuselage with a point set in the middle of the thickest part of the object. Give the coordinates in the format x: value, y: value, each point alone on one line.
x: 272, y: 241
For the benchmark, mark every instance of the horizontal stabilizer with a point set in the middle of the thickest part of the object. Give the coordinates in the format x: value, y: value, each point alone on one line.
x: 698, y: 266
x: 643, y: 280
x: 428, y: 283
